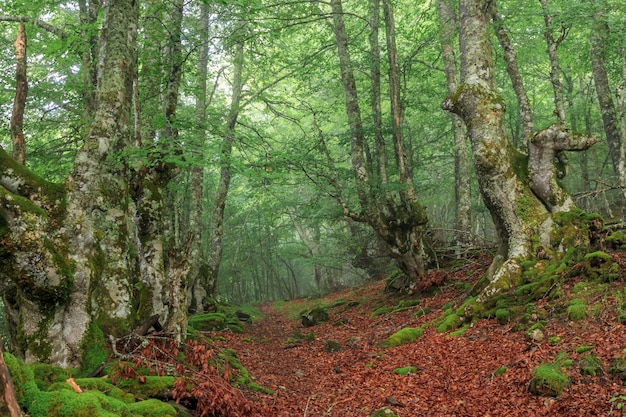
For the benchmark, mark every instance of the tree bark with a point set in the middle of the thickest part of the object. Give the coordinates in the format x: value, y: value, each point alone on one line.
x: 555, y: 69
x: 521, y: 218
x: 399, y: 223
x: 197, y: 278
x: 21, y: 90
x: 462, y: 159
x: 219, y: 204
x: 76, y: 254
x: 510, y: 56
x: 599, y: 33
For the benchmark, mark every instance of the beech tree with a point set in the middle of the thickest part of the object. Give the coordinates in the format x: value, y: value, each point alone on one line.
x: 521, y: 191
x: 88, y: 258
x: 397, y: 217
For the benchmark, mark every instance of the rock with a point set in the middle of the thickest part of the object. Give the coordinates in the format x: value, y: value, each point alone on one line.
x: 331, y: 346
x: 314, y: 317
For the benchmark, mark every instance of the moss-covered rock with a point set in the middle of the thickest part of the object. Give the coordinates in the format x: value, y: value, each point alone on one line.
x: 215, y: 321
x: 314, y: 317
x: 402, y: 337
x: 599, y: 266
x: 549, y: 380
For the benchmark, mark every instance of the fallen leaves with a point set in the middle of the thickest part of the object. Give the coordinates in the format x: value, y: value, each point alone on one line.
x: 456, y: 376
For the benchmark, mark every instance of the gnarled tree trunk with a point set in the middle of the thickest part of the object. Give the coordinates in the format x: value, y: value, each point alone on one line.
x: 74, y: 255
x: 522, y: 201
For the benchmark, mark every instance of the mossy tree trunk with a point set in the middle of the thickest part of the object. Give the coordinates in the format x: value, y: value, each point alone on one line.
x: 521, y: 191
x: 396, y: 216
x: 74, y: 256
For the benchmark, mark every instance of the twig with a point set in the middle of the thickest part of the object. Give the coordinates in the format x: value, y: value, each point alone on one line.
x: 306, y: 409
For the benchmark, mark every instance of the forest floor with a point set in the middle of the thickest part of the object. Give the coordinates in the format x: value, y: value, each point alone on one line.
x: 484, y: 371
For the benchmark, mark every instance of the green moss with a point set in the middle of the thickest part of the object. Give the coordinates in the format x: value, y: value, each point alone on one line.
x: 601, y: 267
x: 384, y: 412
x: 94, y: 348
x: 151, y: 408
x: 584, y: 349
x: 591, y: 365
x: 460, y: 332
x: 404, y: 371
x: 244, y: 379
x: 46, y: 375
x: 402, y: 337
x: 548, y: 379
x: 577, y: 310
x: 554, y: 340
x: 616, y: 240
x: 618, y: 368
x: 502, y: 315
x: 449, y: 322
x: 421, y: 312
x: 500, y: 371
x: 215, y: 321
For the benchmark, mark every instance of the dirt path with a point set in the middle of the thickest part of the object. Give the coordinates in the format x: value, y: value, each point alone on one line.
x: 455, y: 375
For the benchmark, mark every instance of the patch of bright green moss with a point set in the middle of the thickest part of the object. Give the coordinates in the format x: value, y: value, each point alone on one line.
x: 549, y: 379
x: 584, y: 349
x: 402, y: 337
x: 404, y: 371
x: 215, y: 321
x: 577, y: 310
x: 152, y: 408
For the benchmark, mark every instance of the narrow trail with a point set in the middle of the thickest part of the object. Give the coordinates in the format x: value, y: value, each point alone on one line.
x: 455, y: 375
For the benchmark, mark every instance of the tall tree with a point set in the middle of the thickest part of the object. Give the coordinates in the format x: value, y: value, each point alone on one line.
x: 598, y: 39
x: 73, y: 252
x: 462, y: 169
x: 398, y: 219
x: 524, y: 205
x: 219, y: 203
x: 21, y: 90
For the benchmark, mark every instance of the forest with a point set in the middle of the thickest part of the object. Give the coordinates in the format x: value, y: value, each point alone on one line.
x: 178, y: 177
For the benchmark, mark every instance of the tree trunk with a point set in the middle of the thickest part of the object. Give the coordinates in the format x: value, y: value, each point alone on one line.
x: 510, y: 56
x: 197, y: 276
x: 19, y: 103
x: 523, y: 221
x: 219, y: 204
x: 462, y: 169
x: 77, y: 254
x: 599, y: 33
x: 555, y: 69
x: 399, y: 223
